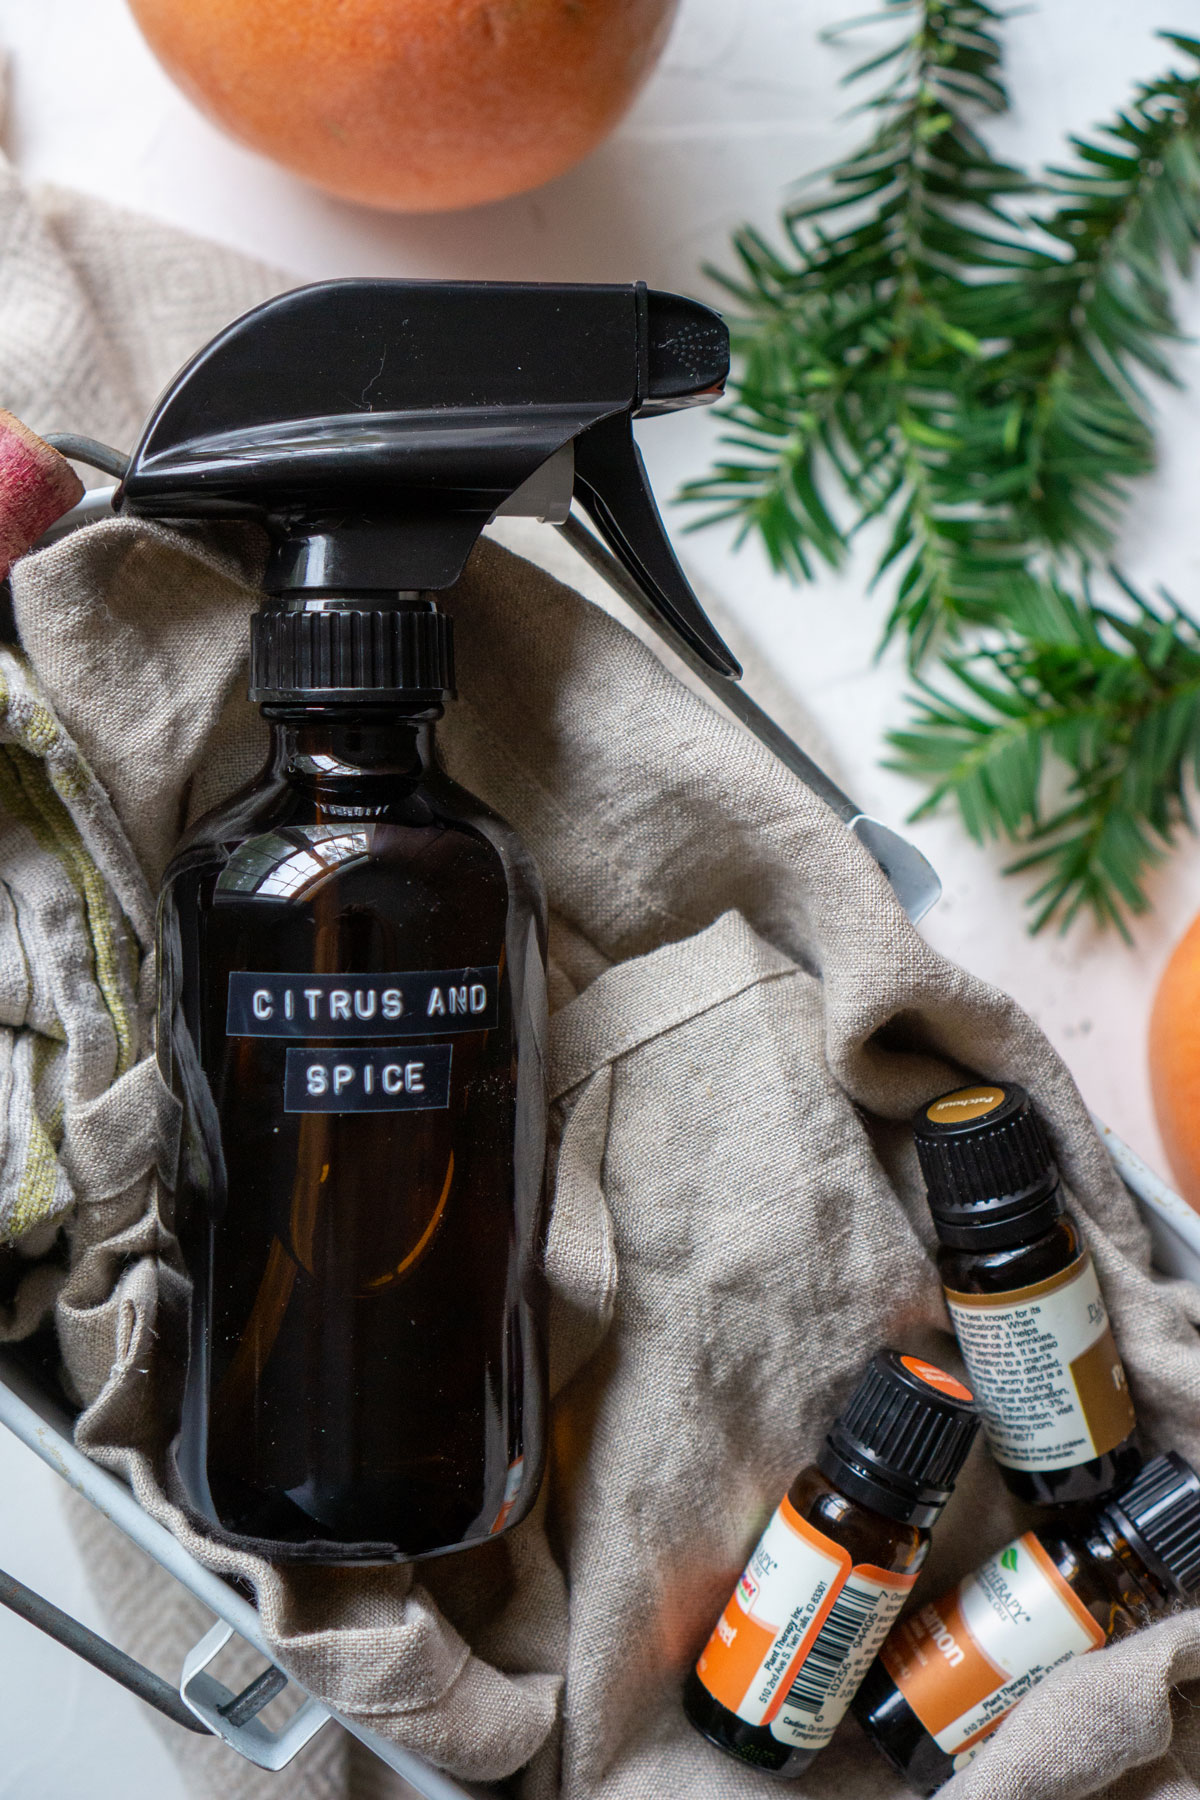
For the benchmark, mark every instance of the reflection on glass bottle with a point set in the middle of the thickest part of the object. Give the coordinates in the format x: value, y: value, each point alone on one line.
x: 353, y: 996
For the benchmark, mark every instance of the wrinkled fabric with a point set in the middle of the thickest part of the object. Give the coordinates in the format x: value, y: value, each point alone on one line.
x: 743, y: 1021
x: 69, y: 967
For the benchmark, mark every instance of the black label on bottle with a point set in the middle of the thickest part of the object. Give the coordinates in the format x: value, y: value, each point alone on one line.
x: 385, y: 1078
x: 421, y: 1003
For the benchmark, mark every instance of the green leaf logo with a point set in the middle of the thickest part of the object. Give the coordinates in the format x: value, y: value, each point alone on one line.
x: 1008, y: 1558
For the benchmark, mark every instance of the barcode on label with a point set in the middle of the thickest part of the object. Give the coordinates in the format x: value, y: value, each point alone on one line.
x: 849, y: 1617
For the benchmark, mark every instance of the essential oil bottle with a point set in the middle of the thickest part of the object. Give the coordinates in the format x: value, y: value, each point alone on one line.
x: 948, y: 1674
x: 832, y: 1569
x: 352, y: 1015
x: 1022, y: 1292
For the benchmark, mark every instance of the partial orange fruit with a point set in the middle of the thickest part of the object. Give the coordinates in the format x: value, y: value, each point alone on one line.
x: 1175, y: 1062
x: 414, y: 105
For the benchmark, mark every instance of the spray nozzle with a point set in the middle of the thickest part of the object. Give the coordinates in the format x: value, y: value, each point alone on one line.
x: 377, y: 426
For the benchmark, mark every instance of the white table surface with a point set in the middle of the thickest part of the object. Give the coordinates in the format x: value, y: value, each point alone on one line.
x: 745, y: 99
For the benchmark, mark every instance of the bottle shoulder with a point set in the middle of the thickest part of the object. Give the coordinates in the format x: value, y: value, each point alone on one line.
x: 275, y: 838
x: 287, y: 889
x: 1015, y: 1266
x: 238, y: 816
x: 1103, y: 1573
x: 867, y: 1535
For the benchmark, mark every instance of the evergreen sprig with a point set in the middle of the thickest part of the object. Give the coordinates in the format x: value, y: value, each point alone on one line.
x: 852, y: 336
x: 1070, y: 423
x: 1077, y: 735
x: 918, y: 351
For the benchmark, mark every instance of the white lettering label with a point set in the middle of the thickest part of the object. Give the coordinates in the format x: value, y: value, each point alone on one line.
x: 368, y: 1080
x: 360, y: 1004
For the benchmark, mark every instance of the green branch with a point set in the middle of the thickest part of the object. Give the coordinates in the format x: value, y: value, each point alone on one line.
x: 1082, y: 329
x: 1109, y: 703
x: 914, y: 353
x: 848, y: 341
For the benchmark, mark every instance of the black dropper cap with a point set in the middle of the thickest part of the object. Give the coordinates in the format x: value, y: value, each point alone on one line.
x: 900, y: 1443
x: 351, y: 650
x: 1159, y: 1514
x: 990, y: 1176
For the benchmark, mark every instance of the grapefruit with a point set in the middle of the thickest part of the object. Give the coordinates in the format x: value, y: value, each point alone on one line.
x: 413, y: 105
x: 1175, y: 1062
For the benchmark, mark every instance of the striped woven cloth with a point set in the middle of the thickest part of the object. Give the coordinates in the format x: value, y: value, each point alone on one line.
x: 70, y: 956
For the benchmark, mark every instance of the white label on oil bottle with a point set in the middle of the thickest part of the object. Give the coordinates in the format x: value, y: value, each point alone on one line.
x: 1045, y: 1370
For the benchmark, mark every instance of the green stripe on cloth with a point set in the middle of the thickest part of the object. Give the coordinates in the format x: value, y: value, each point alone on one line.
x: 46, y: 789
x: 38, y: 1189
x: 29, y: 794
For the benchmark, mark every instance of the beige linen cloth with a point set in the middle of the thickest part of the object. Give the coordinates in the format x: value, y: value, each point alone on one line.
x: 743, y: 1021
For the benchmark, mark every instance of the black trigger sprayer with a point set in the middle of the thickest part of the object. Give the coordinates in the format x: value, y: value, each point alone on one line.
x: 352, y: 950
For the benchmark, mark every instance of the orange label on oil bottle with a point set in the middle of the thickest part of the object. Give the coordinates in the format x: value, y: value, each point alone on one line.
x: 800, y: 1631
x: 963, y: 1662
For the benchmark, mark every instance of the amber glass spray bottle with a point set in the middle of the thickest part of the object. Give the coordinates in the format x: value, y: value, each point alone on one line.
x: 352, y: 950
